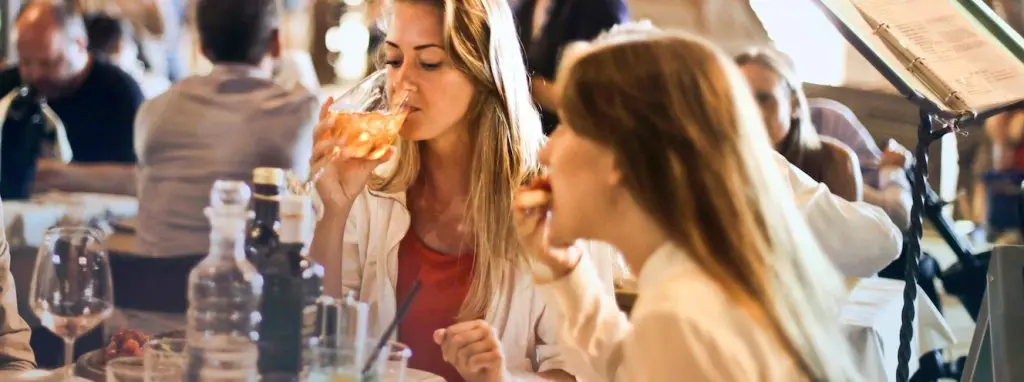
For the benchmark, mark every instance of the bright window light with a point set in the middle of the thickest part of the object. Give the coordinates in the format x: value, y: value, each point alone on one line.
x: 800, y: 30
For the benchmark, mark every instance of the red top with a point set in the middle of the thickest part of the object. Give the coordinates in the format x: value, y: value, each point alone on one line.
x: 445, y: 283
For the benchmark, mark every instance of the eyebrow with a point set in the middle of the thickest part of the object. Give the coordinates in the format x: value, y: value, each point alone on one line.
x: 417, y: 47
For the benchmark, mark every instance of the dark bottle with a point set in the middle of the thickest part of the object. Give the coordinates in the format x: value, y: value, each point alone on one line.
x: 292, y: 282
x: 261, y: 235
x: 24, y: 133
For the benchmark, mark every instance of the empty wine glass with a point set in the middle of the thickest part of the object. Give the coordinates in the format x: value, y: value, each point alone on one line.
x: 364, y: 113
x: 71, y: 289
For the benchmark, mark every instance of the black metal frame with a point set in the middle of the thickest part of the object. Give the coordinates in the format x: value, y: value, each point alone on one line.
x: 929, y: 113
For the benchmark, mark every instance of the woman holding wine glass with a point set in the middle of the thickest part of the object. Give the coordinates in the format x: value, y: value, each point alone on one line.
x: 441, y: 212
x: 662, y: 143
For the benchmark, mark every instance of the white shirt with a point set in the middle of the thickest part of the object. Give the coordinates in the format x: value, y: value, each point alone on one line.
x: 524, y: 323
x: 682, y: 328
x: 858, y: 237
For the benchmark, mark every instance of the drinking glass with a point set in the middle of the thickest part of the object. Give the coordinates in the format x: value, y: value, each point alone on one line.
x: 71, y: 289
x: 367, y: 118
x: 164, y: 359
x: 330, y: 361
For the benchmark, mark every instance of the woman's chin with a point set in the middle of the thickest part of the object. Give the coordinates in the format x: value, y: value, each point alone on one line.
x: 559, y: 237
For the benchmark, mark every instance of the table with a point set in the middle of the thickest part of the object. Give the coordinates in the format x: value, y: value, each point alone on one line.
x: 26, y: 221
x: 871, y: 319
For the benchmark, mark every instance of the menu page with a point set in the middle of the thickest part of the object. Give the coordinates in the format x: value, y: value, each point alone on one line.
x: 965, y: 56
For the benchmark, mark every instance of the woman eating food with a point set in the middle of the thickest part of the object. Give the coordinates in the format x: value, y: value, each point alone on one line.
x: 662, y: 143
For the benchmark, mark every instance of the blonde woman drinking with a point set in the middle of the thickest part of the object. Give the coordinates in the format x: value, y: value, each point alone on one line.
x: 442, y: 211
x: 662, y: 142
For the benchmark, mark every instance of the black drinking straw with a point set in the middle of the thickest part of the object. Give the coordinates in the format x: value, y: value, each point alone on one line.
x: 402, y: 309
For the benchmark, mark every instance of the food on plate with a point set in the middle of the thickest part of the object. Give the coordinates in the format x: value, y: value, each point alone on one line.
x: 124, y: 343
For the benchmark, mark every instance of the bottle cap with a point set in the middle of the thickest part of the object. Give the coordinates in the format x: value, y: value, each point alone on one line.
x: 268, y: 175
x: 230, y: 194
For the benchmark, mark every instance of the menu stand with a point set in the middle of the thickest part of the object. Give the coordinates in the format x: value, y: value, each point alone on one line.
x: 935, y: 119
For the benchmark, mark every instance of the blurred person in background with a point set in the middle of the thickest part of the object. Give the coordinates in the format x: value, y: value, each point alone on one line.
x: 110, y: 39
x: 546, y: 27
x: 1001, y: 172
x: 218, y: 126
x: 661, y: 142
x: 159, y: 27
x: 787, y: 117
x: 884, y: 171
x: 94, y: 101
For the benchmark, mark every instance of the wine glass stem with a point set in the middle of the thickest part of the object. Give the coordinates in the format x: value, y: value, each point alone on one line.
x: 69, y: 359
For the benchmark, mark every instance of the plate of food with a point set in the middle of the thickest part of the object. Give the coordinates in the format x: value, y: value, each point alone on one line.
x: 124, y: 343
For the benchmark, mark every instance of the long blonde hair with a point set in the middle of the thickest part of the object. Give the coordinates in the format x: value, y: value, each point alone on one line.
x: 693, y: 151
x: 505, y: 131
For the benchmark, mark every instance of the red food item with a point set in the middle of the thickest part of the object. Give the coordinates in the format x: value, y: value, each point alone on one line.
x: 541, y: 183
x: 124, y: 343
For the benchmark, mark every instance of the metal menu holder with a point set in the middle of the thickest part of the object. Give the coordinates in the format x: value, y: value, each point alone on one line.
x: 915, y: 53
x: 997, y: 350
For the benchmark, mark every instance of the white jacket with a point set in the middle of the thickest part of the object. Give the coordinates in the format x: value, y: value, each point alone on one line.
x: 859, y: 238
x: 525, y: 325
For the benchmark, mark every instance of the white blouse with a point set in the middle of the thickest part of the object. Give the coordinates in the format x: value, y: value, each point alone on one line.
x: 858, y: 237
x: 524, y: 323
x: 682, y: 327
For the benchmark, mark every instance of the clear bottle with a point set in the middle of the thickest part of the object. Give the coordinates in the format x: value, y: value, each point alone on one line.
x: 224, y: 295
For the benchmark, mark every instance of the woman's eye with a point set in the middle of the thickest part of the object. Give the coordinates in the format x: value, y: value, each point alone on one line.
x: 393, y: 63
x: 430, y: 66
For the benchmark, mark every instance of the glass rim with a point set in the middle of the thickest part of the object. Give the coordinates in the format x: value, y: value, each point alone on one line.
x: 327, y: 346
x: 58, y: 230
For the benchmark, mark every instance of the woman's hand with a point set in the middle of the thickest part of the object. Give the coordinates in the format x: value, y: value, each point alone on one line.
x: 347, y: 161
x: 530, y: 211
x: 895, y: 155
x: 473, y: 348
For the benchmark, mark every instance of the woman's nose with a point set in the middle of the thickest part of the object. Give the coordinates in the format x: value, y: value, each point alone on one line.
x: 402, y: 78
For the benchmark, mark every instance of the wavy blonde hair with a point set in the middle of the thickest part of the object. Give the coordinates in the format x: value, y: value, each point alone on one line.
x: 693, y: 151
x: 505, y: 130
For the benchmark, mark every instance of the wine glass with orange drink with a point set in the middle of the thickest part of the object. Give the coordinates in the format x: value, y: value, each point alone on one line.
x: 366, y: 122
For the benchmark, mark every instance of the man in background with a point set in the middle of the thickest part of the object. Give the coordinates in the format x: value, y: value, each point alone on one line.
x: 112, y: 39
x: 94, y: 101
x: 218, y: 126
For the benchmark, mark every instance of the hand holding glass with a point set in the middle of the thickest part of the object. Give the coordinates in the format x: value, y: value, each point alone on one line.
x: 366, y: 121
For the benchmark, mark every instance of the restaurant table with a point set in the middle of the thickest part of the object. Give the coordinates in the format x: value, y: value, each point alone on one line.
x: 871, y: 317
x: 25, y: 223
x: 36, y: 376
x: 870, y: 320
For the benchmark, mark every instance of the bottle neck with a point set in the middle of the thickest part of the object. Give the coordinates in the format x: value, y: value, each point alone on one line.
x: 265, y: 208
x: 227, y: 237
x: 293, y: 230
